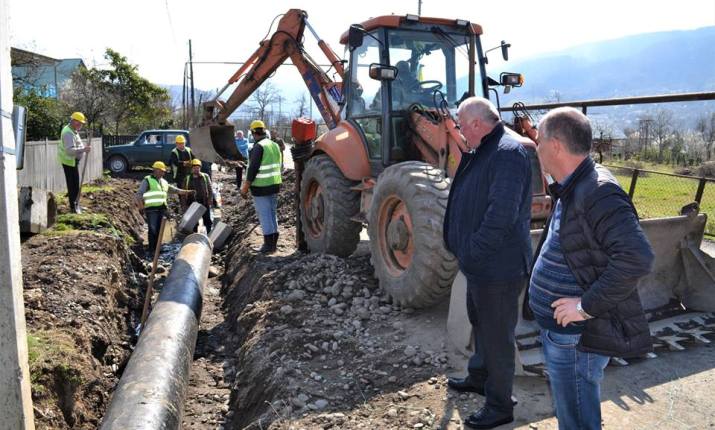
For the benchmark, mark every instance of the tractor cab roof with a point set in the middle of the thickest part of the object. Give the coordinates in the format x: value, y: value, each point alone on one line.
x: 397, y: 21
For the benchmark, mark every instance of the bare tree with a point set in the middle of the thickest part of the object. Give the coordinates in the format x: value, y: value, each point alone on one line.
x: 301, y: 104
x: 705, y: 125
x: 630, y: 144
x: 603, y: 138
x: 263, y: 98
x: 662, y: 130
x: 87, y: 92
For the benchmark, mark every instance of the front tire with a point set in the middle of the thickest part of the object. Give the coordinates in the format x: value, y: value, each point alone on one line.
x: 327, y: 204
x: 118, y: 164
x: 406, y: 242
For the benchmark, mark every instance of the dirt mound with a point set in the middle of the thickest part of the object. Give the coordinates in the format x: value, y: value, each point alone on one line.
x: 317, y: 338
x: 82, y: 297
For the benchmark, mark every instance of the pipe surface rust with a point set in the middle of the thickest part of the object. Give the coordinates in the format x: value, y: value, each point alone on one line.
x: 151, y: 392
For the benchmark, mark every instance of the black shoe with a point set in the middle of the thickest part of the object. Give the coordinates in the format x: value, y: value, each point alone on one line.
x: 274, y: 242
x: 465, y: 385
x: 266, y: 247
x: 486, y: 418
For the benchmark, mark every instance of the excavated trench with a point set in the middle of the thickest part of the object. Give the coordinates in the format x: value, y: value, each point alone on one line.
x: 84, y: 290
x: 309, y: 339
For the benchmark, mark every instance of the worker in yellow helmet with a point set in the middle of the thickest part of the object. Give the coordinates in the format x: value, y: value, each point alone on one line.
x: 264, y: 179
x: 151, y: 199
x: 180, y: 161
x: 70, y: 150
x: 200, y: 183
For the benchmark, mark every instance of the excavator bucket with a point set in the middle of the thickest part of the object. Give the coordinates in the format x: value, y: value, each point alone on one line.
x: 214, y: 143
x: 678, y: 295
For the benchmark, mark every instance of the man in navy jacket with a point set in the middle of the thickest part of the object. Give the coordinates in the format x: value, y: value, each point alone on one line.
x: 487, y: 228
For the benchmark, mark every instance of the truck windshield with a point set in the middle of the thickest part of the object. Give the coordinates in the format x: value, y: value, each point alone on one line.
x: 427, y: 62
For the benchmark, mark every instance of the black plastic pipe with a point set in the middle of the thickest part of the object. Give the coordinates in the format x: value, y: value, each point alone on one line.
x: 152, y: 390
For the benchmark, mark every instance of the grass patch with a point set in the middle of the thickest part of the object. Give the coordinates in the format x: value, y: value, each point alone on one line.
x: 52, y: 351
x: 95, y: 188
x: 659, y: 196
x: 72, y: 223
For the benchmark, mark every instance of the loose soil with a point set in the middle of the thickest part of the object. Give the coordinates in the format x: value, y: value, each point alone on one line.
x: 82, y: 292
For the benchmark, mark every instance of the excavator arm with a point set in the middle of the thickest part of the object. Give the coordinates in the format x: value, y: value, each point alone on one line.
x: 213, y: 139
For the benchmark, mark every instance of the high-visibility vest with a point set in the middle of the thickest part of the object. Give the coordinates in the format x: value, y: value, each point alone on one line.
x: 157, y: 193
x: 62, y: 155
x: 269, y: 173
x: 178, y: 158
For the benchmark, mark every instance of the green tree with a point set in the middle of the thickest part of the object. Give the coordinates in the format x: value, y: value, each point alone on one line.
x: 135, y: 102
x: 44, y: 117
x: 87, y: 92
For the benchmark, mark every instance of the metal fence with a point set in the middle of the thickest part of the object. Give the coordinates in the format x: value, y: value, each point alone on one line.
x: 43, y: 170
x: 658, y: 194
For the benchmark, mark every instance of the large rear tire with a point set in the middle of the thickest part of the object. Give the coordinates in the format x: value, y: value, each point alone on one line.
x: 327, y: 204
x: 405, y: 226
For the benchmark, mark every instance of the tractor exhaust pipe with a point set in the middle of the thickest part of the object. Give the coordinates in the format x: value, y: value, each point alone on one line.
x: 151, y: 392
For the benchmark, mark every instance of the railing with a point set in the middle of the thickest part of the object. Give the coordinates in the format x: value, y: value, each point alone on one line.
x: 112, y: 140
x: 658, y: 194
x: 585, y: 104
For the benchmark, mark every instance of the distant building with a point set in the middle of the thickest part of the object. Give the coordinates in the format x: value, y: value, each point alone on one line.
x: 41, y: 74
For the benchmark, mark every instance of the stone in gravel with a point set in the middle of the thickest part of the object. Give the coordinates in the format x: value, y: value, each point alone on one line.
x: 337, y: 310
x: 213, y: 271
x: 417, y: 361
x: 321, y: 404
x: 312, y: 347
x: 432, y: 381
x: 298, y: 402
x: 410, y: 351
x: 385, y: 309
x: 363, y: 313
x: 332, y: 302
x: 418, y: 426
x: 403, y: 395
x: 296, y: 296
x: 286, y: 310
x: 357, y: 324
x: 397, y: 325
x: 392, y: 413
x: 392, y: 379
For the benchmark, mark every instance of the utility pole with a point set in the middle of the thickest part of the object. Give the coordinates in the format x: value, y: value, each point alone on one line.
x: 15, y: 400
x: 183, y: 101
x: 191, y: 71
x: 419, y: 7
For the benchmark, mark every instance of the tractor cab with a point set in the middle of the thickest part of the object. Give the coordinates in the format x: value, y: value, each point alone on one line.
x: 402, y: 63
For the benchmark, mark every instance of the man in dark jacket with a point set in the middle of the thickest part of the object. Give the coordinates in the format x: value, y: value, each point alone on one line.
x: 487, y: 228
x: 200, y: 183
x: 583, y: 284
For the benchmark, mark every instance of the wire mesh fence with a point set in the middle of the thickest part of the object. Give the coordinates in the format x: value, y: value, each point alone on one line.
x: 659, y: 194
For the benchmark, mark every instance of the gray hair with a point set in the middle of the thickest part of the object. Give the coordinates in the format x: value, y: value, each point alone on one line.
x: 239, y: 132
x: 570, y: 126
x: 480, y: 108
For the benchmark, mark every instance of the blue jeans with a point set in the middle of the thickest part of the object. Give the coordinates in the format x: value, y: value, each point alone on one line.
x: 267, y: 210
x: 575, y: 378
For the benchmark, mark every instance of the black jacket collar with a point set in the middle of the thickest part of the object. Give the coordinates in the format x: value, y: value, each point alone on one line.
x: 557, y: 191
x: 491, y: 139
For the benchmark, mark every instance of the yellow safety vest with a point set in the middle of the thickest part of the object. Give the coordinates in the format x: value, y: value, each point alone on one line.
x: 157, y: 193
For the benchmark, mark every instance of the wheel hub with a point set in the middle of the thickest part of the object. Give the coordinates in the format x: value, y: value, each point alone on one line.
x: 317, y: 208
x: 398, y: 235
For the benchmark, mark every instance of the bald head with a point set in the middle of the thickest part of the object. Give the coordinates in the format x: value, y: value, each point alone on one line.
x: 569, y: 126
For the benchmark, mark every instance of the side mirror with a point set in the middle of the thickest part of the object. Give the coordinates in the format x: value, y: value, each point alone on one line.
x: 355, y: 36
x: 505, y: 50
x: 19, y: 127
x: 382, y: 72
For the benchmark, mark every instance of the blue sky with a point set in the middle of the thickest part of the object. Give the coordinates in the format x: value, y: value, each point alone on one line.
x: 153, y: 33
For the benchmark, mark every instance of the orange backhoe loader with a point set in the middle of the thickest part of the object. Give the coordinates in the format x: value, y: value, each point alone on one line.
x: 389, y: 155
x: 392, y: 144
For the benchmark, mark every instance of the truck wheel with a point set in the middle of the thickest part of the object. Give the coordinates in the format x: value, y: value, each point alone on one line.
x: 118, y: 164
x: 405, y: 226
x: 327, y: 204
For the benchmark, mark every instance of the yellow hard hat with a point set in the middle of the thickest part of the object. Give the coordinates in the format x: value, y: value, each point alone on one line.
x: 180, y: 139
x: 159, y: 165
x: 257, y: 123
x: 195, y: 162
x: 79, y: 116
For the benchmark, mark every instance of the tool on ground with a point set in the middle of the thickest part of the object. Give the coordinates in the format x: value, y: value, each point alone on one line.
x: 150, y: 283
